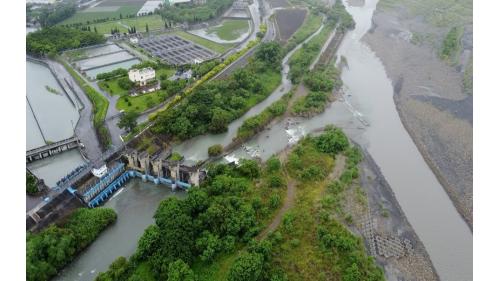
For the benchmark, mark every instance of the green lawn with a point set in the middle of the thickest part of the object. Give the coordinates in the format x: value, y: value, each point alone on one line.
x: 142, y: 102
x: 87, y: 16
x: 112, y: 87
x: 230, y: 29
x: 219, y: 48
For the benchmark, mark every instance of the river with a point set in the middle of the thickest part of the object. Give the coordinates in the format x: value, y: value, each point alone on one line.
x: 135, y: 205
x: 368, y: 115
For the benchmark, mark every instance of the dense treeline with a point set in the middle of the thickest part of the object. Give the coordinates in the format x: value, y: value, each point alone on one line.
x: 112, y: 74
x: 214, y: 104
x: 215, y: 219
x: 50, y: 250
x: 53, y: 14
x: 51, y: 40
x: 195, y: 13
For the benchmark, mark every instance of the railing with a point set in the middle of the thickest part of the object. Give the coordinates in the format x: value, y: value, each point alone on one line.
x: 51, y: 146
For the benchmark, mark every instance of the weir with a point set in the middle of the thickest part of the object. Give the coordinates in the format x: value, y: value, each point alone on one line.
x: 98, y: 192
x: 51, y: 149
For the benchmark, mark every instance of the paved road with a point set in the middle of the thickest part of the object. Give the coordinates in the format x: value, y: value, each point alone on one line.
x: 84, y: 128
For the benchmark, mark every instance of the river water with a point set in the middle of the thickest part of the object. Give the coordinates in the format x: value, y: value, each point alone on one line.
x: 367, y: 113
x: 135, y: 205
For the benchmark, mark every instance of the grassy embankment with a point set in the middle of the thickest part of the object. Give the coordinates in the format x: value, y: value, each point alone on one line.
x: 99, y: 106
x: 230, y: 29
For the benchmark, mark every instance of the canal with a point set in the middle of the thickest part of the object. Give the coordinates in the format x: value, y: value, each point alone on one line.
x: 135, y: 205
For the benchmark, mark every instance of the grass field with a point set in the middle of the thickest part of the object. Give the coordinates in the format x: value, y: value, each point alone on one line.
x: 230, y: 29
x: 154, y: 22
x: 219, y: 48
x: 88, y: 16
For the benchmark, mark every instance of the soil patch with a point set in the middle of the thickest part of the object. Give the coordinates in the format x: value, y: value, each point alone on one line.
x: 289, y: 20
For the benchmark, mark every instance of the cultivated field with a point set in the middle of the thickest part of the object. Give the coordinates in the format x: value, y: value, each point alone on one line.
x: 154, y: 22
x: 106, y: 10
x: 289, y: 21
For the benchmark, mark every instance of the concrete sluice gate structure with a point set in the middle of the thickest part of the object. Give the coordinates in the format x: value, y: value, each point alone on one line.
x: 87, y: 190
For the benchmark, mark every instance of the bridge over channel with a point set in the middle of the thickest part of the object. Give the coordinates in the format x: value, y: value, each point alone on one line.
x: 51, y: 149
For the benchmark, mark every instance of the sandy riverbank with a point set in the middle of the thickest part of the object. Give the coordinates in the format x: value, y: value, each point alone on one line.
x: 429, y: 96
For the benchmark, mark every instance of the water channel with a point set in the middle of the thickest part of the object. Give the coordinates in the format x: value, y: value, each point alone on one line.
x: 135, y: 205
x: 56, y: 116
x: 368, y: 115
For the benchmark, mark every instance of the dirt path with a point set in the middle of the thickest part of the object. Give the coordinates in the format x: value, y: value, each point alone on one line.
x: 291, y: 191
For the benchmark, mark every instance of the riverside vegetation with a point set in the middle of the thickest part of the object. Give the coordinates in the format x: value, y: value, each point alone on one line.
x: 50, y: 250
x: 210, y: 235
x: 222, y: 101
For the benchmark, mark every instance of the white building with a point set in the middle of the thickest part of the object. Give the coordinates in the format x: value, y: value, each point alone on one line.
x: 134, y: 40
x: 142, y: 76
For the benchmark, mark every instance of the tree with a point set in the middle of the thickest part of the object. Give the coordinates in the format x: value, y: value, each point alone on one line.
x: 180, y: 271
x: 215, y: 150
x: 149, y: 242
x: 332, y: 141
x: 249, y: 168
x: 31, y: 184
x: 270, y: 52
x: 128, y: 120
x: 147, y: 27
x: 247, y: 267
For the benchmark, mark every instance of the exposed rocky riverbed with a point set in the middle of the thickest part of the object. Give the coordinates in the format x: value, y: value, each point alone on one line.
x: 429, y: 95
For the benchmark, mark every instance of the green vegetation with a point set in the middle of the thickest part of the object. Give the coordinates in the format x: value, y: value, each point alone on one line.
x: 320, y: 81
x: 310, y: 25
x: 209, y: 235
x: 128, y: 120
x: 50, y: 250
x: 142, y: 102
x: 176, y: 156
x: 52, y: 14
x: 300, y: 60
x: 195, y: 13
x: 214, y: 104
x: 199, y: 238
x: 219, y: 48
x: 467, y: 79
x: 140, y: 24
x: 451, y: 45
x: 95, y: 15
x: 31, y: 184
x: 257, y: 123
x: 215, y: 150
x: 99, y: 106
x: 230, y: 29
x: 52, y: 90
x: 119, y: 72
x: 51, y: 40
x: 310, y: 244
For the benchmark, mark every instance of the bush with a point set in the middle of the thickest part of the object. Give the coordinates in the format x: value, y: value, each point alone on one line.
x: 247, y: 267
x: 115, y: 73
x: 125, y: 83
x: 31, y: 184
x: 215, y: 150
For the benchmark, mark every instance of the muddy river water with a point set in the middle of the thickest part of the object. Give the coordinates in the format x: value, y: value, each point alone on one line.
x: 368, y: 115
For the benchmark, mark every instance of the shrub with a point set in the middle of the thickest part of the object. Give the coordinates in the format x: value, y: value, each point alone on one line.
x: 215, y: 150
x: 31, y: 184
